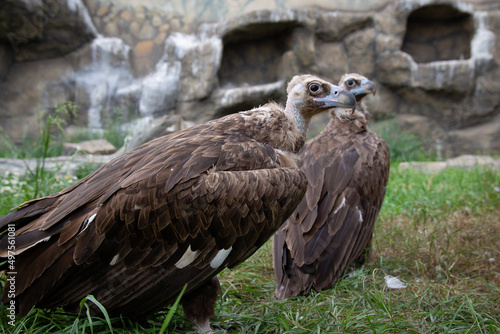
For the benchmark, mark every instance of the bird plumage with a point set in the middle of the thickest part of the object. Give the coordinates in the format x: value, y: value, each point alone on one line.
x: 347, y: 167
x: 174, y: 211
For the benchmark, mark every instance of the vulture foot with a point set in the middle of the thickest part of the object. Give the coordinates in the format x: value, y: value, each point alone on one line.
x: 199, y: 304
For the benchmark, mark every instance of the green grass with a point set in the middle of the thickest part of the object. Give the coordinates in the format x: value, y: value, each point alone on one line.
x: 453, y: 189
x: 47, y: 141
x: 113, y: 129
x: 15, y: 190
x: 438, y: 233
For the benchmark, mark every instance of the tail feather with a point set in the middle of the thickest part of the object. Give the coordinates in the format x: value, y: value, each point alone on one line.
x: 40, y: 271
x: 291, y: 280
x: 27, y: 212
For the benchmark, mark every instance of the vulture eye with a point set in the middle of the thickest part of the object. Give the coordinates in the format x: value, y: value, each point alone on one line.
x: 315, y: 87
x: 350, y: 83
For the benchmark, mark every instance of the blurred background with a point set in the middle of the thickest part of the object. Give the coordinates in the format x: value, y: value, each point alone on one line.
x: 132, y: 70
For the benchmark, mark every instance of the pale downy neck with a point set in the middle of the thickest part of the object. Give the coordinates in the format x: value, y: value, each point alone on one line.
x: 292, y: 110
x: 341, y: 115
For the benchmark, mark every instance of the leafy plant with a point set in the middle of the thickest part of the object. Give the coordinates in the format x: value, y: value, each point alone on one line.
x: 114, y: 129
x: 43, y: 146
x: 403, y: 145
x: 85, y: 169
x: 54, y: 120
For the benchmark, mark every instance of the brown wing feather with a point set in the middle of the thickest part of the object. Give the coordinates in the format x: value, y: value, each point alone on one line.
x: 176, y: 210
x: 333, y: 225
x: 122, y: 230
x: 246, y: 235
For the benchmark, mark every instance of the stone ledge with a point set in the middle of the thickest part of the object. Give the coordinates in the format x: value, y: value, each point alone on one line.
x: 96, y: 146
x: 63, y: 164
x: 463, y: 161
x: 70, y: 164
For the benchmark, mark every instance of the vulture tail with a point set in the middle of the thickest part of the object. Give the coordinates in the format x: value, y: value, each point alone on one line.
x: 291, y: 280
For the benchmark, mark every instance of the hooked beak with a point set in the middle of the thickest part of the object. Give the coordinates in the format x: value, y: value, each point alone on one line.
x: 338, y: 97
x: 366, y: 87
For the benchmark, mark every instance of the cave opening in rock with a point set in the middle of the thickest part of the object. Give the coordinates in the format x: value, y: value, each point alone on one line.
x: 252, y: 54
x: 438, y: 32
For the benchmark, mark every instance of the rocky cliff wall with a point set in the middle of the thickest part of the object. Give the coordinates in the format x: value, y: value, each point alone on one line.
x: 436, y: 62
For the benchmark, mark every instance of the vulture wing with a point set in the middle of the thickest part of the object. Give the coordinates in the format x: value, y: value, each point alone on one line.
x: 176, y: 210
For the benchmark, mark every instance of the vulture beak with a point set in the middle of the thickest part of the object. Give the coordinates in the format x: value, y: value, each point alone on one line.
x: 338, y: 97
x: 366, y: 87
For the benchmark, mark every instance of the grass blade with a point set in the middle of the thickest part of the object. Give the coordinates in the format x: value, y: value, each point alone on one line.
x: 100, y: 306
x: 172, y: 310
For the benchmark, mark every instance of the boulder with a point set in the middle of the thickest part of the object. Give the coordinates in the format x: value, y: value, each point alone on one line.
x: 29, y: 91
x: 360, y: 50
x: 331, y: 61
x: 6, y: 56
x: 466, y: 161
x: 449, y: 83
x: 199, y: 58
x: 334, y: 26
x: 436, y: 62
x: 95, y: 147
x: 44, y: 29
x: 479, y: 138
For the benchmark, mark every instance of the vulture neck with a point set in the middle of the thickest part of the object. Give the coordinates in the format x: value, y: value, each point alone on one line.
x: 281, y: 130
x: 292, y: 111
x: 344, y: 122
x: 363, y: 110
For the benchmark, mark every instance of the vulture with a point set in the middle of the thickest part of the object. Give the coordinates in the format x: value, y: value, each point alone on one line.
x: 172, y: 212
x: 347, y: 167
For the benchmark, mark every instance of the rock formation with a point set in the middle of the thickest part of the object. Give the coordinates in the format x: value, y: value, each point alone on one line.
x: 433, y: 60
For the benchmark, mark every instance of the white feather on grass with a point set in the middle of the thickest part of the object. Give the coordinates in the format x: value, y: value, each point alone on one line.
x: 394, y: 282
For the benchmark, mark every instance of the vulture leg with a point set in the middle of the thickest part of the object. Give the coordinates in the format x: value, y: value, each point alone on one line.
x: 199, y: 305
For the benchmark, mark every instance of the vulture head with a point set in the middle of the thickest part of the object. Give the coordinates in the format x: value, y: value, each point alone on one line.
x: 309, y: 95
x: 359, y: 86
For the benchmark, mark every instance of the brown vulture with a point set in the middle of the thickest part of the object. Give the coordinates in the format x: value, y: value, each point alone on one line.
x: 174, y: 211
x: 347, y: 167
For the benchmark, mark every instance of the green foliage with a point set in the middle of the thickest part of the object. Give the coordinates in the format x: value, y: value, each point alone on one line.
x: 410, y: 192
x: 85, y: 169
x: 7, y: 148
x: 15, y: 190
x: 49, y: 141
x: 42, y: 149
x: 113, y: 129
x: 54, y: 120
x: 172, y: 310
x: 92, y: 299
x: 404, y: 146
x: 58, y: 321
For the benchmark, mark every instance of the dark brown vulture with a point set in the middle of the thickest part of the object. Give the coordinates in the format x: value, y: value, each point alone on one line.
x: 175, y: 210
x: 347, y: 167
